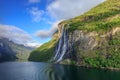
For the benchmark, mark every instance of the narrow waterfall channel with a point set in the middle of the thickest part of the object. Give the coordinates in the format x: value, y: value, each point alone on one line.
x: 62, y: 46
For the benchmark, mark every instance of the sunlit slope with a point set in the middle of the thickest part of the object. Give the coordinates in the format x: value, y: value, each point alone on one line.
x: 101, y: 19
x: 44, y: 52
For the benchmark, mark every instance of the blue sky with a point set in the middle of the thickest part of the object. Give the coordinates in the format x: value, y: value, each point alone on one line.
x: 16, y: 12
x: 38, y: 18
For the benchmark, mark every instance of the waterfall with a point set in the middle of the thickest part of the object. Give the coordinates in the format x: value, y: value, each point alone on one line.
x: 62, y: 46
x: 59, y: 44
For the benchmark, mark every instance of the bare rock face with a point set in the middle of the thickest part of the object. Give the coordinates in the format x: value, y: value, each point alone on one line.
x: 83, y: 40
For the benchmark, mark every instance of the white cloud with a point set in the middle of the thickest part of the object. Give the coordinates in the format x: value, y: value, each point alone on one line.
x: 47, y: 33
x: 34, y: 1
x: 36, y: 14
x: 65, y: 9
x: 34, y: 45
x: 17, y: 35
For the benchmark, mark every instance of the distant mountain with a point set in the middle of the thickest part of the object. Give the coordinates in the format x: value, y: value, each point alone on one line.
x: 10, y: 51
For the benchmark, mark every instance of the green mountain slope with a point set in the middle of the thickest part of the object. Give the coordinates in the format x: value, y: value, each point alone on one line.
x: 44, y: 52
x: 101, y: 18
x: 102, y: 24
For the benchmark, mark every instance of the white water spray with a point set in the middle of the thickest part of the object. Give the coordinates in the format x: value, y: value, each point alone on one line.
x: 62, y: 46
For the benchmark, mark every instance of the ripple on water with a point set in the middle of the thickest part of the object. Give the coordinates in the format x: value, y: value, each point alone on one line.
x: 45, y: 71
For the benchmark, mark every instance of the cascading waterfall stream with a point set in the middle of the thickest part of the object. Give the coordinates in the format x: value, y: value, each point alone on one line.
x: 62, y: 46
x: 59, y: 45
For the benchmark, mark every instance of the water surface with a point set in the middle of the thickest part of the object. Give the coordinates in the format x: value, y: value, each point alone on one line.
x: 47, y: 71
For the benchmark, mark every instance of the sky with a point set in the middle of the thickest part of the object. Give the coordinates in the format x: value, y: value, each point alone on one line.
x: 32, y: 22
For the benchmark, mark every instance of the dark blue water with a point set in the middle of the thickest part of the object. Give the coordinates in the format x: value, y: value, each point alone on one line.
x: 46, y: 71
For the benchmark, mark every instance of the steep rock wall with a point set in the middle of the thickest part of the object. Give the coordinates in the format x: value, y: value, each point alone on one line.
x: 79, y: 44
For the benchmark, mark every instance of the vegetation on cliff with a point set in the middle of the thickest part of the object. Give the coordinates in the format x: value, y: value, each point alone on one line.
x: 107, y: 55
x: 101, y: 18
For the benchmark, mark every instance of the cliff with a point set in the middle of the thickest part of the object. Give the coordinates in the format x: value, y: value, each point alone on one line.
x: 10, y: 51
x: 91, y: 49
x: 91, y: 39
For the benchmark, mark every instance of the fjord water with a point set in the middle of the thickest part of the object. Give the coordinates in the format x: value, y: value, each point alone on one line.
x: 47, y: 71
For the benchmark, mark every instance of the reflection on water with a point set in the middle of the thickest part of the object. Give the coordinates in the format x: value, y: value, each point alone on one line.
x: 46, y: 71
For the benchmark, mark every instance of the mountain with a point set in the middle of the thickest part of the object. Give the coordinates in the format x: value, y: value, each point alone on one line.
x: 6, y: 53
x: 10, y: 51
x: 90, y: 40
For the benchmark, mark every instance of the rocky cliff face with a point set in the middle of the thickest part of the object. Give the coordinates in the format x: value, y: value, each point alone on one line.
x: 80, y: 44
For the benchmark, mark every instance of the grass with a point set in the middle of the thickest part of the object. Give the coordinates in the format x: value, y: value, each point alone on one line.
x: 100, y: 18
x: 44, y: 52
